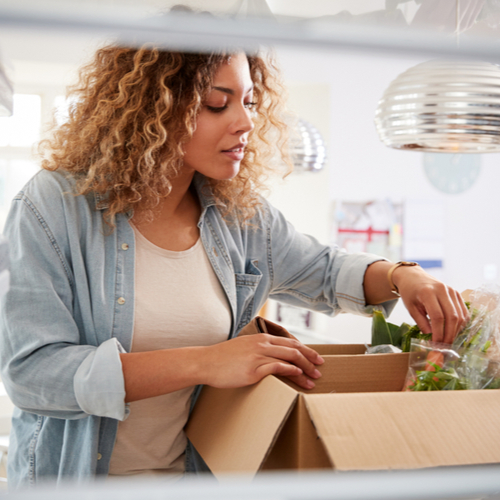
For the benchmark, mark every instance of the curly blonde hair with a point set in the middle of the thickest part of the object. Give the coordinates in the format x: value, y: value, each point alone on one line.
x: 134, y: 109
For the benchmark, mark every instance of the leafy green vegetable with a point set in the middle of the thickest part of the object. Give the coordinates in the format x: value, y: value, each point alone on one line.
x: 397, y: 336
x: 381, y: 333
x: 384, y: 332
x: 413, y: 333
x: 438, y: 380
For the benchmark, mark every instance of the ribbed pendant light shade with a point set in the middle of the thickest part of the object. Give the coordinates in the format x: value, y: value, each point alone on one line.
x: 442, y: 106
x: 308, y: 148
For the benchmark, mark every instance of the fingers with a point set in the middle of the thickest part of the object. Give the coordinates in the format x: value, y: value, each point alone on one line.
x: 295, y: 354
x: 421, y: 319
x: 448, y: 315
x: 307, y: 352
x: 443, y: 313
x: 278, y: 368
x: 462, y: 315
x: 296, y: 357
x: 292, y: 372
x: 302, y: 381
x: 463, y: 309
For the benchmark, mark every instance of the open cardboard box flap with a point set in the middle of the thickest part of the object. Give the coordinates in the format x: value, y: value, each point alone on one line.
x: 404, y: 430
x: 233, y: 429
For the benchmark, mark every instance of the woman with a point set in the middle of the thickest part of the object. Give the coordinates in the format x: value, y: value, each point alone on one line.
x: 142, y: 246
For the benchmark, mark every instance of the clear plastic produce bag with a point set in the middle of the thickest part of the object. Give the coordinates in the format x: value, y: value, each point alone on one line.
x: 433, y: 367
x: 479, y: 372
x: 472, y: 361
x: 482, y: 333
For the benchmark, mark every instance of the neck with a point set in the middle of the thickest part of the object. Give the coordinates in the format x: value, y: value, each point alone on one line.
x: 178, y: 202
x: 175, y: 223
x: 179, y: 197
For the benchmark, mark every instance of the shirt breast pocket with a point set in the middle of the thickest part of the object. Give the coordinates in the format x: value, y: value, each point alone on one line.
x: 246, y: 286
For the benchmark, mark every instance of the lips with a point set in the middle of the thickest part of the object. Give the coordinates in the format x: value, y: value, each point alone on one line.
x: 232, y: 150
x: 236, y: 147
x: 236, y: 153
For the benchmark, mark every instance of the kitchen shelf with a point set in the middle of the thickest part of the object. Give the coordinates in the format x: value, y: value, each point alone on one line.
x: 201, y: 32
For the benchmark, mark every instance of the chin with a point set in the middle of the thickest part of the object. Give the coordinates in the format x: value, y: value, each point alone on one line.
x: 224, y: 174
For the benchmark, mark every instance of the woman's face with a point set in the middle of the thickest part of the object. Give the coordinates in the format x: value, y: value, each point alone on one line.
x: 222, y: 127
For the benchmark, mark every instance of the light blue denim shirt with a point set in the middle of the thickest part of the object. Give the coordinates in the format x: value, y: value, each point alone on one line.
x: 70, y: 309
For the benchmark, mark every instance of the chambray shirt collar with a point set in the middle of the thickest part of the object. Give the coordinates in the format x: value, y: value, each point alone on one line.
x: 101, y: 201
x: 204, y: 191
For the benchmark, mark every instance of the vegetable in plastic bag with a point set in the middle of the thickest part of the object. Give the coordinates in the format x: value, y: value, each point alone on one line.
x: 433, y: 367
x: 471, y: 362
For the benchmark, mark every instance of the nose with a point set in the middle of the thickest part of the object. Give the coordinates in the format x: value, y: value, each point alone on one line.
x: 242, y: 122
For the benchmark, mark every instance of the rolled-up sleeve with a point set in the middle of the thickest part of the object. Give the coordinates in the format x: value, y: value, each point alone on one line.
x: 52, y: 365
x: 95, y: 397
x: 306, y: 273
x: 349, y: 287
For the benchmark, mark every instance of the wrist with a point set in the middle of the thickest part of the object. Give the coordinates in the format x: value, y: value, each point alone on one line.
x: 198, y: 365
x: 395, y: 274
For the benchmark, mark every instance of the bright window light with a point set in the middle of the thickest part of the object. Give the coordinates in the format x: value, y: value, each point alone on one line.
x: 61, y: 106
x: 22, y: 129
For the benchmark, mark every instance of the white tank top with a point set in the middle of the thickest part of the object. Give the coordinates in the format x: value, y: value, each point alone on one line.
x: 179, y: 302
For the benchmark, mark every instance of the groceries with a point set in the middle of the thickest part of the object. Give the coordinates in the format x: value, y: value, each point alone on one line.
x: 471, y: 362
x: 384, y: 333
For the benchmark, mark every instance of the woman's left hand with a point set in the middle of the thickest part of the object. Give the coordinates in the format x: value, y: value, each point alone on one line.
x: 435, y: 307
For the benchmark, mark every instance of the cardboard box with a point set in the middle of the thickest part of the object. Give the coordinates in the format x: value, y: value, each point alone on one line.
x: 356, y: 418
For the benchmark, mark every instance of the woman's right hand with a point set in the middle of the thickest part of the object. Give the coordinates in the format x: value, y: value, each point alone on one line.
x: 246, y: 360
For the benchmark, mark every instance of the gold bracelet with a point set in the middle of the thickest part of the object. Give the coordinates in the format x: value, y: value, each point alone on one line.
x: 394, y: 288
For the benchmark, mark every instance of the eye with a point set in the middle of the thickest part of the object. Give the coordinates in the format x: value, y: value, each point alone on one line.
x: 216, y: 109
x: 250, y: 105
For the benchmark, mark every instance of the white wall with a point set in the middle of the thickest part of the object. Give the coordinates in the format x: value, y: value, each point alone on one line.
x: 361, y: 168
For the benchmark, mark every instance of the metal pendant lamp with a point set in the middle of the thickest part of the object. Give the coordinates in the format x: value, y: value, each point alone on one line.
x: 308, y: 148
x: 443, y: 106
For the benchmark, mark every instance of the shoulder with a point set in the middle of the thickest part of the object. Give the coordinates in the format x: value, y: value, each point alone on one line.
x: 51, y: 191
x: 269, y: 216
x: 266, y: 217
x: 49, y: 200
x: 46, y: 183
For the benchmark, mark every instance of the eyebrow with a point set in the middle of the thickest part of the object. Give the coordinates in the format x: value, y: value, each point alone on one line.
x: 230, y: 91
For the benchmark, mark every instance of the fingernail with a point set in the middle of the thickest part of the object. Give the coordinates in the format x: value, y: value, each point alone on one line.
x: 319, y: 360
x: 310, y: 384
x: 316, y: 374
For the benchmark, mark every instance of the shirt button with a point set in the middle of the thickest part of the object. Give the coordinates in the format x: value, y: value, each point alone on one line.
x: 124, y: 246
x: 215, y: 251
x: 99, y: 456
x: 121, y: 301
